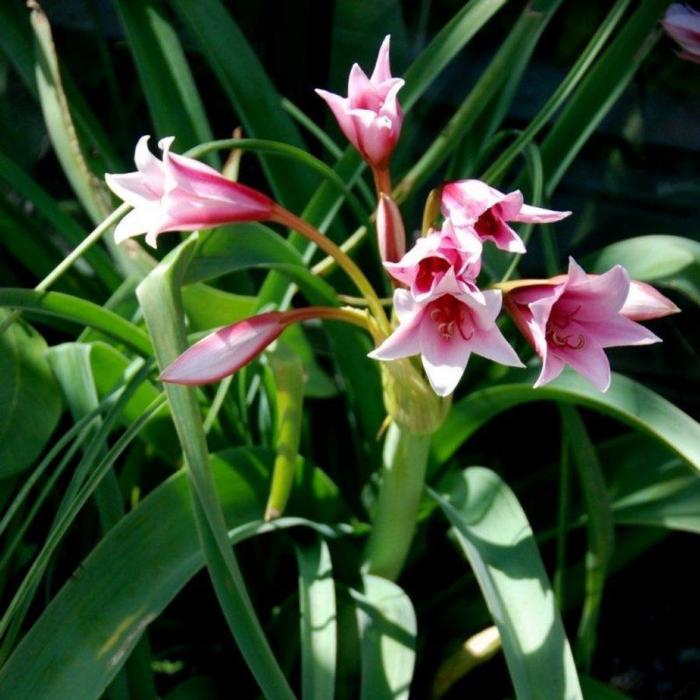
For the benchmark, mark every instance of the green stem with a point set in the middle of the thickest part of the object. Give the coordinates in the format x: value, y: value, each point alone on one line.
x: 402, y: 481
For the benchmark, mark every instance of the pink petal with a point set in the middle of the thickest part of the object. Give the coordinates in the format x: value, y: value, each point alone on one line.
x: 552, y: 367
x: 359, y: 87
x: 382, y: 68
x: 138, y: 221
x: 403, y: 342
x: 225, y: 351
x: 505, y: 238
x: 644, y: 303
x: 536, y: 215
x: 594, y: 297
x: 340, y: 108
x: 492, y: 345
x: 131, y: 188
x: 464, y: 201
x: 149, y: 166
x: 205, y: 182
x: 444, y: 360
x: 590, y: 362
x: 618, y: 331
x: 376, y: 136
x: 405, y: 306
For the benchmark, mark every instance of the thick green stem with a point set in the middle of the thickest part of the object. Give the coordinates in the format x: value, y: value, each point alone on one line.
x: 402, y: 481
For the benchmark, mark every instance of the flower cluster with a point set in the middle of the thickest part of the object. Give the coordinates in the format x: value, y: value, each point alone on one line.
x: 442, y: 313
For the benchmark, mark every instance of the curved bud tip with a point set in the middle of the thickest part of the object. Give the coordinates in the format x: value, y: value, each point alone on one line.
x: 644, y: 303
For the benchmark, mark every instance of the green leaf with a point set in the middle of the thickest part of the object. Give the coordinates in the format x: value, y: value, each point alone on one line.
x: 78, y: 311
x: 18, y: 607
x: 444, y: 46
x: 250, y: 90
x: 59, y: 121
x: 166, y: 81
x: 599, y: 91
x: 109, y: 371
x: 497, y: 170
x: 669, y: 261
x: 88, y: 630
x: 601, y: 530
x: 160, y: 300
x: 500, y: 79
x: 239, y: 247
x: 30, y: 401
x: 496, y: 538
x: 626, y: 400
x: 388, y: 631
x: 207, y: 307
x: 651, y: 486
x: 16, y: 41
x: 318, y: 629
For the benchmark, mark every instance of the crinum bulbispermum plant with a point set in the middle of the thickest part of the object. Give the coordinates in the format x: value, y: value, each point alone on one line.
x: 440, y: 313
x: 450, y: 298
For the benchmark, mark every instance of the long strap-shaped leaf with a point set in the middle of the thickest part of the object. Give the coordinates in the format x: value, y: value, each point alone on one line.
x: 89, y: 629
x: 81, y: 311
x: 318, y: 631
x: 170, y: 91
x: 159, y: 296
x: 387, y: 624
x: 495, y: 536
x: 626, y: 400
x: 250, y: 90
x: 600, y: 90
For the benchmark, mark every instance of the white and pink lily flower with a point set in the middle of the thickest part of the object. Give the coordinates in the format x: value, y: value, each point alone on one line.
x: 473, y: 203
x: 445, y: 328
x: 180, y: 194
x: 370, y: 116
x: 571, y: 319
x: 447, y: 251
x: 682, y: 24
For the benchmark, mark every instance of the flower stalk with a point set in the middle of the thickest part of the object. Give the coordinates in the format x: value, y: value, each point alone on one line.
x: 405, y: 459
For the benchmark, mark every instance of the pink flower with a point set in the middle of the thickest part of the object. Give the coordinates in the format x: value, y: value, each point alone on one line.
x: 683, y: 24
x: 180, y: 194
x: 391, y: 232
x: 570, y: 319
x: 370, y: 116
x: 445, y: 328
x: 472, y: 203
x: 433, y: 257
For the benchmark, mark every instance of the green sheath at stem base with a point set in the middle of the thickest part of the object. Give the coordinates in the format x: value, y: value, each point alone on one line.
x: 403, y: 477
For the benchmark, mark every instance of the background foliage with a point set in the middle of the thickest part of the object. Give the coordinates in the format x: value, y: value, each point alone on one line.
x: 100, y: 544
